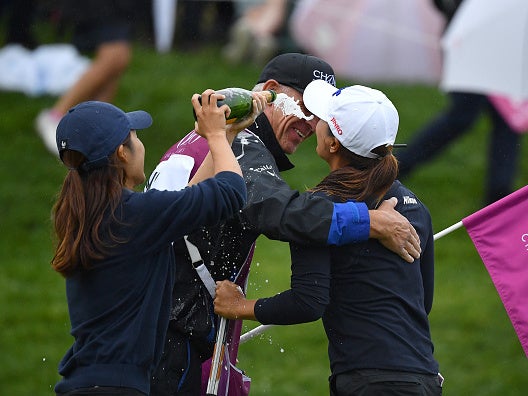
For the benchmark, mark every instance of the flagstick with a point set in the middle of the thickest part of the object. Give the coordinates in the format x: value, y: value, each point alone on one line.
x: 253, y: 333
x: 454, y: 227
x: 262, y: 328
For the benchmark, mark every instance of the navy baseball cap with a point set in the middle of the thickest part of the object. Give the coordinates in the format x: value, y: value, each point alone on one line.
x: 96, y: 129
x: 297, y: 70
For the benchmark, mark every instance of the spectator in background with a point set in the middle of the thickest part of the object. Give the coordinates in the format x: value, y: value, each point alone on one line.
x: 19, y: 20
x: 103, y: 27
x: 200, y: 22
x: 260, y: 32
x: 463, y: 110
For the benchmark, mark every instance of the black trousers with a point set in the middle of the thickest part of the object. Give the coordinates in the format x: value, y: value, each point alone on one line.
x: 371, y: 382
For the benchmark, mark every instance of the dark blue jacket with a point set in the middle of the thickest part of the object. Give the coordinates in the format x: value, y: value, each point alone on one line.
x: 374, y: 305
x: 273, y: 209
x: 119, y: 309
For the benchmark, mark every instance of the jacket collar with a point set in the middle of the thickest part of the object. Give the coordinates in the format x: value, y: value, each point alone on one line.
x: 262, y: 128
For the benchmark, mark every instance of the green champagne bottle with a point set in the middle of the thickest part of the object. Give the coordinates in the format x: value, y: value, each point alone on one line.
x: 240, y: 102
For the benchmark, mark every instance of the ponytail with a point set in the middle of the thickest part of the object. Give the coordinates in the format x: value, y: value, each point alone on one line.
x: 363, y: 179
x: 79, y: 215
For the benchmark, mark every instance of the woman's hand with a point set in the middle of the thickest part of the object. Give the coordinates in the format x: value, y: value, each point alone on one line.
x: 210, y: 119
x: 259, y: 104
x: 211, y: 124
x: 231, y: 303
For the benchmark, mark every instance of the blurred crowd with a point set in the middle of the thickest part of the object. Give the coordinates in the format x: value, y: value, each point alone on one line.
x: 104, y: 30
x: 262, y: 23
x: 364, y: 50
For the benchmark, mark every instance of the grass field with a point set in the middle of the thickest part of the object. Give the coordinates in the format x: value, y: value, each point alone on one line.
x: 476, y: 346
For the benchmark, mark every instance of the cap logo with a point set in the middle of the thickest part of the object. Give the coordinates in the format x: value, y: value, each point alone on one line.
x: 336, y: 126
x: 320, y: 75
x: 63, y: 144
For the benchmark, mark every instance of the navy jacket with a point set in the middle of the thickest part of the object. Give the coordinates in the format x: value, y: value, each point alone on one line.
x: 374, y: 305
x: 119, y: 309
x: 273, y: 209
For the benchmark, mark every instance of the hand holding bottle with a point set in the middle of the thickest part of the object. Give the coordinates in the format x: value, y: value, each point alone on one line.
x: 260, y: 99
x: 240, y: 102
x: 210, y: 118
x: 211, y: 124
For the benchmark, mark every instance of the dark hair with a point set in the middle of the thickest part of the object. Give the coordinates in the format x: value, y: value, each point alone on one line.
x: 363, y: 179
x: 79, y: 215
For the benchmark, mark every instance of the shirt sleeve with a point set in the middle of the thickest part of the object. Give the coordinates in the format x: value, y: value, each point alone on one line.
x: 280, y: 213
x: 309, y: 292
x: 160, y: 217
x: 350, y: 223
x: 427, y: 268
x: 418, y: 215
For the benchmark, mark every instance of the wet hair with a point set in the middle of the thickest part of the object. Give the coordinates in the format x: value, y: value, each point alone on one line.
x: 85, y: 211
x: 363, y: 179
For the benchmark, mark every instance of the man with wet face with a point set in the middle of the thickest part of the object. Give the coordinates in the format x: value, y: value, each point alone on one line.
x: 273, y: 209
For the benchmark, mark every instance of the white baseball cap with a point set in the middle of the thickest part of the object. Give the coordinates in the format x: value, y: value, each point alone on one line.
x: 361, y: 118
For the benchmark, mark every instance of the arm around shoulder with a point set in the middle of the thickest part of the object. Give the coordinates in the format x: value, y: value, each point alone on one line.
x: 394, y: 231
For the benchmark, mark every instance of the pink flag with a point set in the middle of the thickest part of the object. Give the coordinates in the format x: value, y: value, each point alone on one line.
x: 500, y: 234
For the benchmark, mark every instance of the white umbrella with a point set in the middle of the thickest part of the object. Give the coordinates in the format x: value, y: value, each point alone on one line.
x: 486, y: 48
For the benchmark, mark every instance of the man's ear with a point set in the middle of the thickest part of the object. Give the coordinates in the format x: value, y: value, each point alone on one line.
x: 270, y: 84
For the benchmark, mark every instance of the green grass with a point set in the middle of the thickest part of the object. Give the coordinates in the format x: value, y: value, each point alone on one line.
x: 475, y: 343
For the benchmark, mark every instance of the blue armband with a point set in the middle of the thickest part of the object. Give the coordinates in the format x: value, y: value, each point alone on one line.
x: 350, y: 223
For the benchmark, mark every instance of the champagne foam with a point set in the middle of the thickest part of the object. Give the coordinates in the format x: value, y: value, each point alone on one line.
x: 290, y: 106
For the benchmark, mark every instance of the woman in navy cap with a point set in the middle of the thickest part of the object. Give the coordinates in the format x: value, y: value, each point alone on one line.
x: 374, y: 305
x: 114, y: 244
